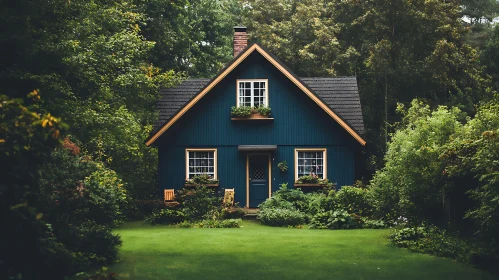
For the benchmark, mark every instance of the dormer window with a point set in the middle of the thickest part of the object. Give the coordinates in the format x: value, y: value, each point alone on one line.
x: 252, y: 93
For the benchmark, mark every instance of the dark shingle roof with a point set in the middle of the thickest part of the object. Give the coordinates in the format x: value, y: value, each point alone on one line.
x: 340, y: 94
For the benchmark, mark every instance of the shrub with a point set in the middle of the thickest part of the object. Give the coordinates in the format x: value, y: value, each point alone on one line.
x: 319, y: 202
x: 355, y: 200
x: 91, y: 244
x: 166, y: 217
x: 435, y: 241
x: 281, y: 217
x: 276, y: 202
x: 294, y: 196
x: 197, y: 202
x: 338, y: 219
x: 140, y: 209
x: 229, y: 223
x: 202, y: 179
x: 367, y: 223
x: 232, y: 213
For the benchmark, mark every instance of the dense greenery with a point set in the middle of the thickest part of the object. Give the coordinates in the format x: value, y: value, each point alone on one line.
x: 442, y: 168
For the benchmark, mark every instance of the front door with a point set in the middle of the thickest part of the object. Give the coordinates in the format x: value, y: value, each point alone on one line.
x: 258, y: 177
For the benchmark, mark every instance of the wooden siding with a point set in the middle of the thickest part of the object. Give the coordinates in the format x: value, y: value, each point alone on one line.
x: 298, y: 123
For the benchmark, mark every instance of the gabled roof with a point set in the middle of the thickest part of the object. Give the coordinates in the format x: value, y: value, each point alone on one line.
x: 338, y: 97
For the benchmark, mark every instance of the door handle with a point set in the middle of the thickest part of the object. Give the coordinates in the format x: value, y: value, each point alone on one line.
x: 249, y: 179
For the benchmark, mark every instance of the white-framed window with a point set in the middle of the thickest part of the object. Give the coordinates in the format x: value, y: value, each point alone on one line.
x: 252, y: 93
x: 311, y: 161
x: 201, y: 161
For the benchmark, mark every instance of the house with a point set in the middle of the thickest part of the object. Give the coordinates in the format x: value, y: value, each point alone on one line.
x: 315, y: 125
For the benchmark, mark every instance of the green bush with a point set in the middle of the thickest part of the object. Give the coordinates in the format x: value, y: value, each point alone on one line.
x: 232, y: 213
x: 202, y: 179
x: 166, y: 217
x: 197, y: 202
x: 354, y: 200
x: 296, y: 197
x: 320, y: 202
x: 228, y: 223
x: 435, y: 241
x: 140, y: 209
x: 91, y: 244
x: 337, y: 219
x: 281, y: 217
x: 276, y: 202
x: 367, y: 223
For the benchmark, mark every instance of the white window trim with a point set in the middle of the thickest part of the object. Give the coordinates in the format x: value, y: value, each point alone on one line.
x: 324, y: 152
x: 215, y: 158
x: 253, y: 81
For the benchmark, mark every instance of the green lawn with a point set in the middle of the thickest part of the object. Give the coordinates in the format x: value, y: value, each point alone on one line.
x: 259, y: 252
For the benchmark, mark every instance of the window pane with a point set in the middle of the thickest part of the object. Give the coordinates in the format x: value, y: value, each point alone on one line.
x: 311, y: 163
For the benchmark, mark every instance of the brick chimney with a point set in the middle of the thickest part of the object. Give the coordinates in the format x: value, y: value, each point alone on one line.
x: 240, y: 39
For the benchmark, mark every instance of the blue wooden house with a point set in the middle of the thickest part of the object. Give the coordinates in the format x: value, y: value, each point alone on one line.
x: 315, y: 125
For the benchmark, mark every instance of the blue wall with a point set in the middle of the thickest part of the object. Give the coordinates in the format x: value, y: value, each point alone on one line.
x: 298, y: 123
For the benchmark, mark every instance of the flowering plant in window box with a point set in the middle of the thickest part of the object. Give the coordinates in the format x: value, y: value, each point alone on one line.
x: 202, y: 180
x: 250, y: 112
x: 313, y: 180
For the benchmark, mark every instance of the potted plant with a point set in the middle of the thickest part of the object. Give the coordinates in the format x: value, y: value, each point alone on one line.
x: 283, y: 165
x: 202, y: 180
x: 313, y: 181
x: 247, y: 112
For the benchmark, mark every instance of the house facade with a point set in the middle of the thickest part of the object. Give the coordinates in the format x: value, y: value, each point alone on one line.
x: 315, y: 126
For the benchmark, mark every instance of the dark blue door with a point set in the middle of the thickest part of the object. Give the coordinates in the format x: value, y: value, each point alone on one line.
x: 258, y: 179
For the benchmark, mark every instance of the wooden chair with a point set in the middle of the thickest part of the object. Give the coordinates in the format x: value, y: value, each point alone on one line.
x: 229, y: 197
x: 169, y: 195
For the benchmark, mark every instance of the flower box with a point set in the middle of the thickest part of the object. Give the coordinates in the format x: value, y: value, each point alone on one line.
x: 199, y: 185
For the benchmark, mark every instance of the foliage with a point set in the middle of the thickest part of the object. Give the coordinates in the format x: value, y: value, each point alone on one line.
x: 287, y: 198
x: 232, y: 213
x: 262, y: 110
x: 398, y: 50
x: 197, y: 202
x: 139, y: 209
x: 240, y: 112
x: 367, y: 223
x: 337, y: 219
x: 279, y: 217
x: 311, y: 179
x: 283, y: 166
x: 91, y: 244
x: 320, y: 202
x: 28, y: 248
x: 166, y: 217
x: 435, y: 241
x: 228, y: 223
x: 355, y: 200
x: 201, y: 180
x: 411, y: 184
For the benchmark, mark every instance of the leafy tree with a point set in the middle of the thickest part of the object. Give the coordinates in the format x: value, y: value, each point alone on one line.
x: 27, y: 136
x: 192, y: 36
x: 411, y: 182
x: 398, y: 49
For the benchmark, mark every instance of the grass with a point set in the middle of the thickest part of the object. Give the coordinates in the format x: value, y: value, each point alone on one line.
x: 260, y: 252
